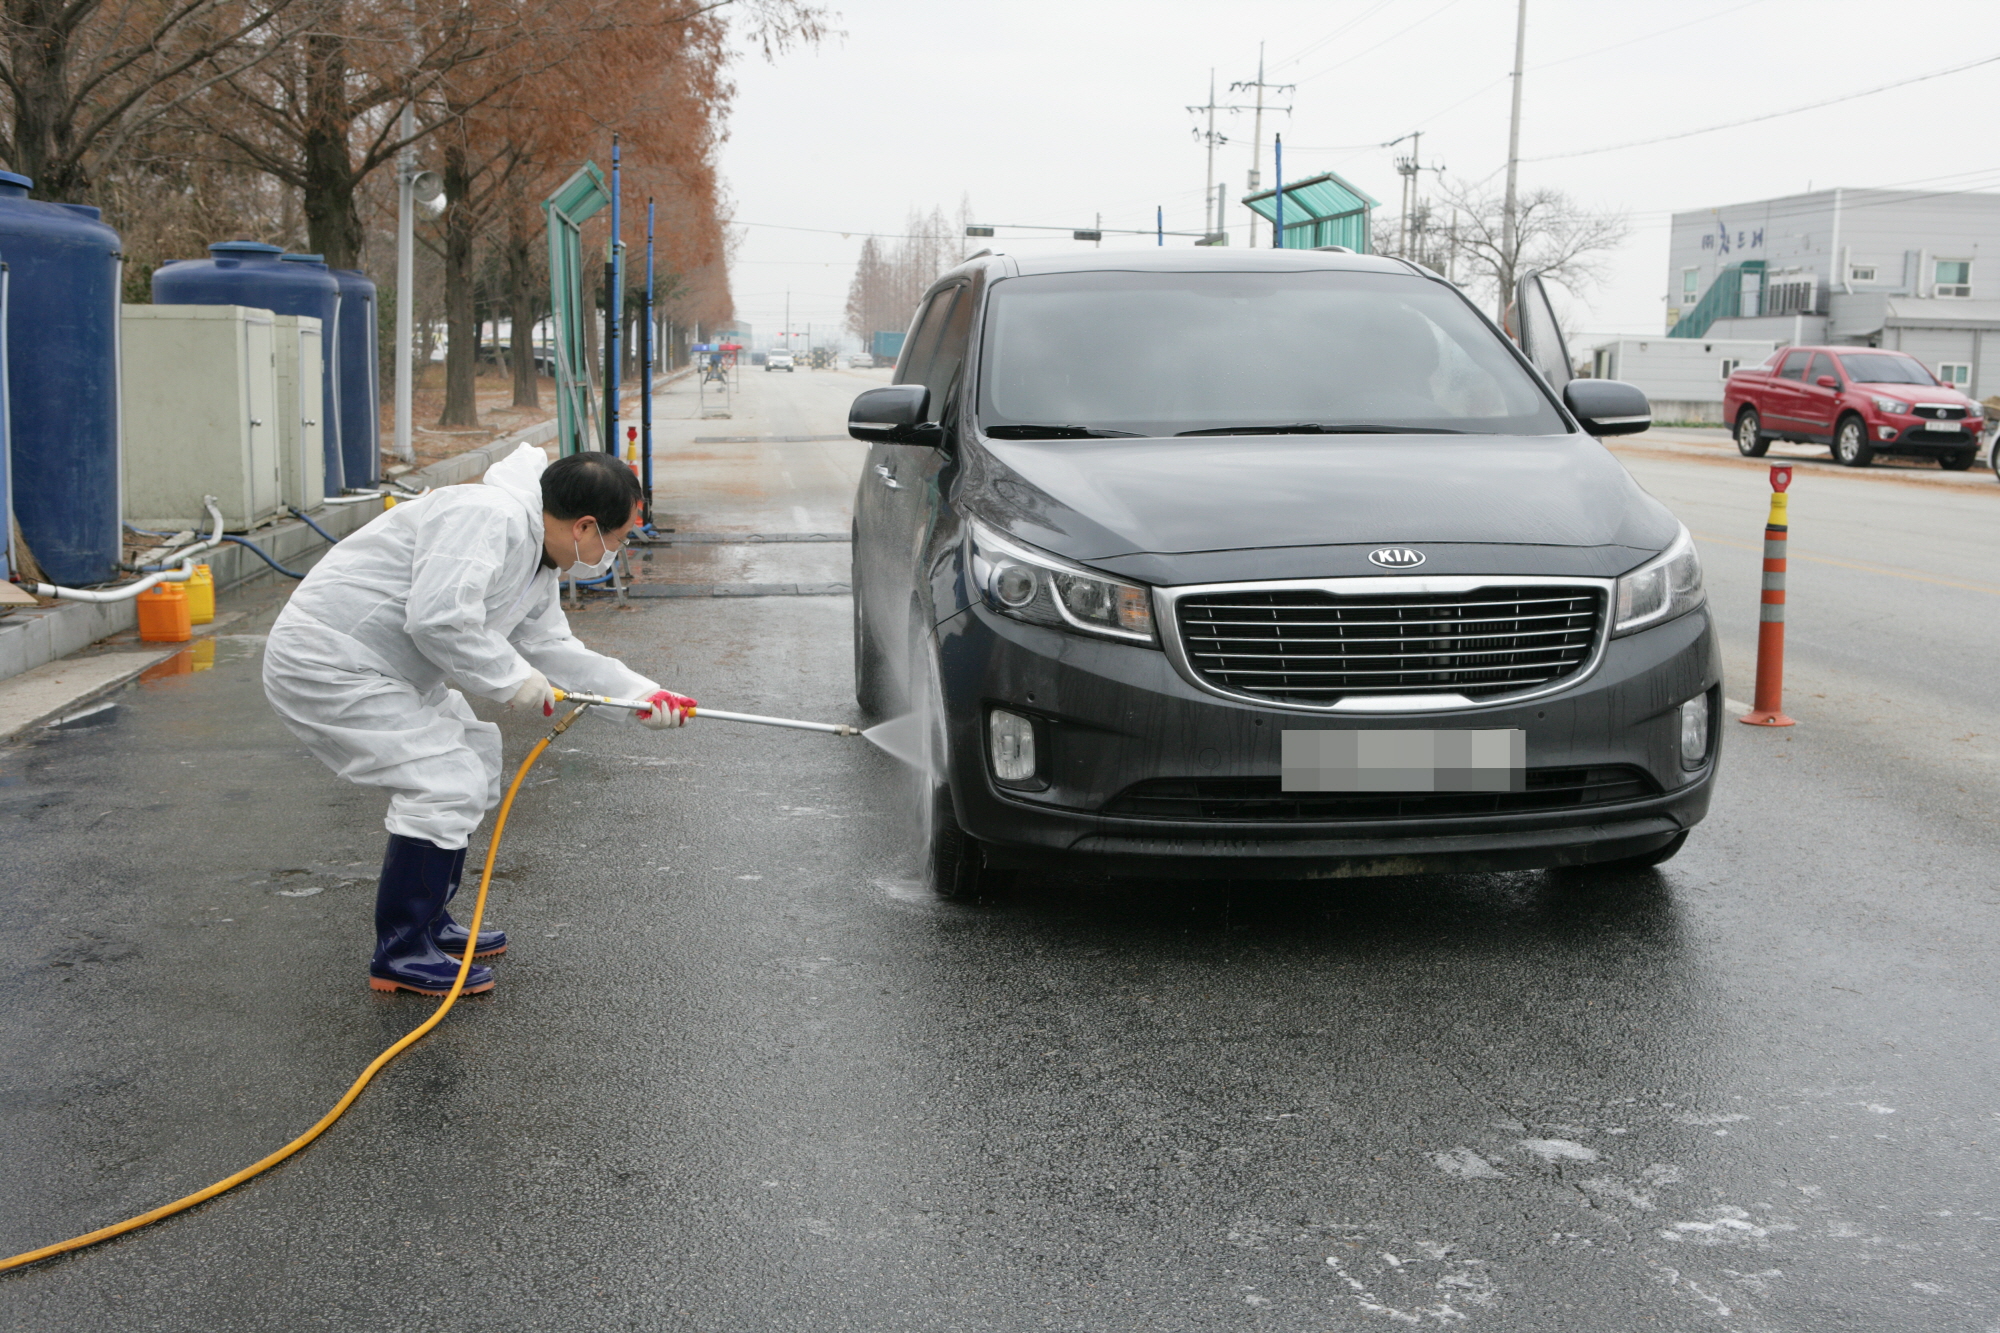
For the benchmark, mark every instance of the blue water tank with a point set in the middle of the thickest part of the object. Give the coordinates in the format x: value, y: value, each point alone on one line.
x: 360, y: 382
x: 6, y: 462
x: 62, y: 368
x: 250, y: 273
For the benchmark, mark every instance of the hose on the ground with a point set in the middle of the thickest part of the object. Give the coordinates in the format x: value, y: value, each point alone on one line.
x: 265, y: 556
x: 340, y: 1107
x: 306, y: 519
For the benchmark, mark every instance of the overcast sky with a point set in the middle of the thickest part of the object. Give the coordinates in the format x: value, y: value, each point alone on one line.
x: 1044, y: 112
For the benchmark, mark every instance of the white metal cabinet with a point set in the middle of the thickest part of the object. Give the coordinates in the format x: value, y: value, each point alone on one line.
x: 301, y: 432
x: 201, y: 414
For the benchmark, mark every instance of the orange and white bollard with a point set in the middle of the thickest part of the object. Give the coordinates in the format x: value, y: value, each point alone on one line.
x: 1767, y: 709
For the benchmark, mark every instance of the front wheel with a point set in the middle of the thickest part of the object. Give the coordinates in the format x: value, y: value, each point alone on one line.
x: 1958, y: 460
x: 1850, y: 443
x: 954, y: 859
x: 1750, y: 441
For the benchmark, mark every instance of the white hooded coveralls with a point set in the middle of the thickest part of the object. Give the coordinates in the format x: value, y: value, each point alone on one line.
x: 446, y: 588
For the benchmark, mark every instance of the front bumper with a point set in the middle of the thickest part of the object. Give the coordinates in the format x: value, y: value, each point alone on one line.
x: 1109, y: 716
x: 1920, y: 439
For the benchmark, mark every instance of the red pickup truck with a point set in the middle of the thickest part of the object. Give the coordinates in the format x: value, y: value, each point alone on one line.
x: 1858, y: 401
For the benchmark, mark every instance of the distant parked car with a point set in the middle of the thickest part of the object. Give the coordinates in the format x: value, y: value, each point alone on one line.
x: 1858, y: 401
x: 779, y: 361
x: 861, y: 361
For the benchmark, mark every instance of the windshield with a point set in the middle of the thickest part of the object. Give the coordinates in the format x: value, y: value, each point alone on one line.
x: 1160, y: 354
x: 1885, y: 368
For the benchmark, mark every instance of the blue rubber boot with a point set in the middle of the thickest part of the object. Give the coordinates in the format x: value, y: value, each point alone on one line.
x: 450, y: 936
x: 416, y: 880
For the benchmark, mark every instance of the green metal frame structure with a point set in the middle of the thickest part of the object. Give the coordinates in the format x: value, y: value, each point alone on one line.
x: 1320, y: 210
x: 582, y: 197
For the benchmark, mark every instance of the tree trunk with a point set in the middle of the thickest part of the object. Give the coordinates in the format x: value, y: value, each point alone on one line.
x: 521, y: 301
x: 39, y: 49
x: 333, y: 222
x: 461, y: 350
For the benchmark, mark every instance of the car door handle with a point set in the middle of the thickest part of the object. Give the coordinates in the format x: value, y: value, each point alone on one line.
x: 888, y: 477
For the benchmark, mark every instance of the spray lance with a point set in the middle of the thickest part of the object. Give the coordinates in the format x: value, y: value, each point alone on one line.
x: 642, y: 705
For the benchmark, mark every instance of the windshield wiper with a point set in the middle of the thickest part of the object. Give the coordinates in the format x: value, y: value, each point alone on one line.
x: 1323, y: 428
x: 1020, y: 432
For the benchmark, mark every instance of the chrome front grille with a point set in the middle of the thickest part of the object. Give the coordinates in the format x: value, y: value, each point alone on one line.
x: 1939, y: 411
x: 1316, y: 646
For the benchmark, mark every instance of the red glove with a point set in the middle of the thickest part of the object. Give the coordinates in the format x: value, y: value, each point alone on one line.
x: 668, y: 710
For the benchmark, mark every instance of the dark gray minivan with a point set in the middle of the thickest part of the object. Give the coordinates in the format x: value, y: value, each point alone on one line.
x: 1271, y: 563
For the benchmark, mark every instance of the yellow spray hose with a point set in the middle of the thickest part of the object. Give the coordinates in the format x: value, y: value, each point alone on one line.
x: 340, y: 1107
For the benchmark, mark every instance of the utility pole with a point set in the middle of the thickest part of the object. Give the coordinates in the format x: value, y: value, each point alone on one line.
x: 1507, y: 224
x: 786, y: 336
x: 1211, y: 197
x: 1257, y: 132
x: 1407, y: 168
x: 406, y: 281
x: 614, y: 313
x: 1411, y: 168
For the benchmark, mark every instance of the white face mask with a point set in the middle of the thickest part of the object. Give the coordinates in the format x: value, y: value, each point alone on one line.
x: 579, y: 570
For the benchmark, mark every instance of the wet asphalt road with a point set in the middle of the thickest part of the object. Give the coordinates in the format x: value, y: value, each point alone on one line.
x: 743, y: 1073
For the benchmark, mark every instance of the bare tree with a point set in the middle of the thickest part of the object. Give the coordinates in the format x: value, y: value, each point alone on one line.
x: 83, y: 76
x: 890, y: 278
x: 1552, y: 236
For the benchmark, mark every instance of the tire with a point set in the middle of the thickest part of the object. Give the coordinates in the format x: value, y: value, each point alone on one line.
x: 1850, y: 443
x: 1958, y: 460
x: 1751, y: 441
x: 954, y: 861
x: 1658, y: 856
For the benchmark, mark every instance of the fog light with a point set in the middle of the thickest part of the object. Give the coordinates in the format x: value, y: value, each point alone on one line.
x: 1012, y: 739
x: 1886, y: 432
x: 1694, y: 730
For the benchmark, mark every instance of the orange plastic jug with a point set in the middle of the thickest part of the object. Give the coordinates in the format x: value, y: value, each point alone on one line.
x: 163, y: 614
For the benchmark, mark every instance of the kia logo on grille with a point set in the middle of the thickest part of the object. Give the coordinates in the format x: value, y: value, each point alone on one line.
x: 1396, y: 557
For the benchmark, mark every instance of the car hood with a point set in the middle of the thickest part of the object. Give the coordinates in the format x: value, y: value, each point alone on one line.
x: 1192, y: 509
x: 1916, y: 393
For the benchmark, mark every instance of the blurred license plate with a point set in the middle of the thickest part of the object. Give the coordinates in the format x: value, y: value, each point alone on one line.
x: 1405, y: 760
x: 1944, y: 425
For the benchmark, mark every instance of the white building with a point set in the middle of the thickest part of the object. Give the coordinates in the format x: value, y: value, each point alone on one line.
x: 1916, y: 270
x: 1682, y: 376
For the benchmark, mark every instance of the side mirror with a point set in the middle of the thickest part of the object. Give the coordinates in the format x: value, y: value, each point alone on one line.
x: 897, y: 414
x: 1827, y: 382
x: 1608, y: 407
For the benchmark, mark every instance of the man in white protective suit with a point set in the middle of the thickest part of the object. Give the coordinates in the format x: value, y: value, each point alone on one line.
x: 459, y: 588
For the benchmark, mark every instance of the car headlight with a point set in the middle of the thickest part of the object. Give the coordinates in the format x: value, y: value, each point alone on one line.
x: 1034, y: 586
x: 1893, y: 406
x: 1666, y: 586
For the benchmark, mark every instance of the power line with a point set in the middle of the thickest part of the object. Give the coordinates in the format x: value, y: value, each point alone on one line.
x: 1706, y: 18
x: 1307, y: 78
x: 1769, y: 115
x: 1317, y: 43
